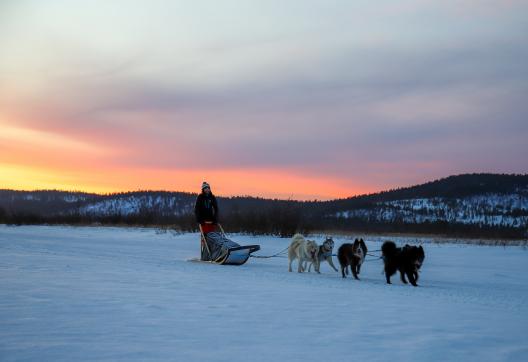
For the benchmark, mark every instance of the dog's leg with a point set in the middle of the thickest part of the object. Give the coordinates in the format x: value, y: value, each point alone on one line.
x: 402, y: 277
x: 343, y: 268
x: 410, y: 275
x: 330, y: 261
x: 390, y: 270
x: 354, y: 271
x: 358, y: 268
x: 388, y: 275
x: 289, y: 264
x: 300, y: 268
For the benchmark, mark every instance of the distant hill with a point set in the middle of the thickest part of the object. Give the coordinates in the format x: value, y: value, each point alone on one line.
x: 460, y: 186
x: 471, y: 204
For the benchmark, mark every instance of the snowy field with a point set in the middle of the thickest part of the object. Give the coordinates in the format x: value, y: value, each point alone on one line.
x: 72, y: 294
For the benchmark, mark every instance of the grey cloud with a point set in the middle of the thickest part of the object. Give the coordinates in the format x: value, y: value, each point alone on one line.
x: 328, y: 122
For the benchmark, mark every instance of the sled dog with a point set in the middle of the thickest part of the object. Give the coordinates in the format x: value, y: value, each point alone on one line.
x: 324, y: 253
x: 353, y: 255
x: 304, y: 251
x: 407, y: 260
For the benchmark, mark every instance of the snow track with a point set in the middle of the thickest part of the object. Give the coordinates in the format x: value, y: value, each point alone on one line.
x: 90, y: 293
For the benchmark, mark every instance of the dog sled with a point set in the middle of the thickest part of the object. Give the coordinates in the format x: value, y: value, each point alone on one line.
x: 216, y: 248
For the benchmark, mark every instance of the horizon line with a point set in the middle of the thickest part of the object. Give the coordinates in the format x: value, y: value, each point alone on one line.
x: 261, y: 197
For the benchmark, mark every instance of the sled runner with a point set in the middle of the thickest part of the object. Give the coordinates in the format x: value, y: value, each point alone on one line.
x: 218, y: 249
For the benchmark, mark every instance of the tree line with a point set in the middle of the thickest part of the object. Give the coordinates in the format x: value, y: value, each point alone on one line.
x: 282, y: 219
x: 269, y: 216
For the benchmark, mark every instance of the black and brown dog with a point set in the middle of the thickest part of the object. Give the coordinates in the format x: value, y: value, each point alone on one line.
x: 407, y: 260
x: 353, y: 255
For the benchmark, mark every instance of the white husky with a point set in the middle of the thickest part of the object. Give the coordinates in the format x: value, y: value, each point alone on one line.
x: 304, y: 251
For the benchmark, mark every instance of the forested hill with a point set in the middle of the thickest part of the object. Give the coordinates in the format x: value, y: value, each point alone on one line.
x: 476, y: 204
x: 460, y: 186
x: 470, y: 204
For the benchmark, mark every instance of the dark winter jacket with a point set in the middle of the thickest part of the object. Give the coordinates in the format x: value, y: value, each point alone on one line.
x: 206, y: 208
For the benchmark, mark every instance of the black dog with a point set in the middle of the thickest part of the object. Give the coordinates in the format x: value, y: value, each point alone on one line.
x: 407, y: 260
x: 353, y: 255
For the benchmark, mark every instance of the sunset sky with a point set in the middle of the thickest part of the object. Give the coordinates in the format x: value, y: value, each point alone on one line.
x: 290, y: 99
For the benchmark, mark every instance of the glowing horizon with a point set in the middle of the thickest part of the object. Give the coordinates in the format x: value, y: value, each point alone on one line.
x: 301, y: 100
x: 223, y: 184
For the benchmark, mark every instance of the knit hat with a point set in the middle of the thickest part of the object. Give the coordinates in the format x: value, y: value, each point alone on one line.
x: 205, y: 185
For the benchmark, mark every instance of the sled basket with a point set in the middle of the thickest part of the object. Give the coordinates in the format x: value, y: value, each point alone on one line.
x: 217, y: 248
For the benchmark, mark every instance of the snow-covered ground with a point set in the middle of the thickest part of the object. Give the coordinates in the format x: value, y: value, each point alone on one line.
x: 69, y: 294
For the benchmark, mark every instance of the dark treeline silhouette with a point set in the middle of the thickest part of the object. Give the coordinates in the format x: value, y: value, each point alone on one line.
x: 459, y: 186
x: 278, y: 217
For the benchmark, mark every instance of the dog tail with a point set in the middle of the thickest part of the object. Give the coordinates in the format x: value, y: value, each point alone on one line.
x: 388, y: 249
